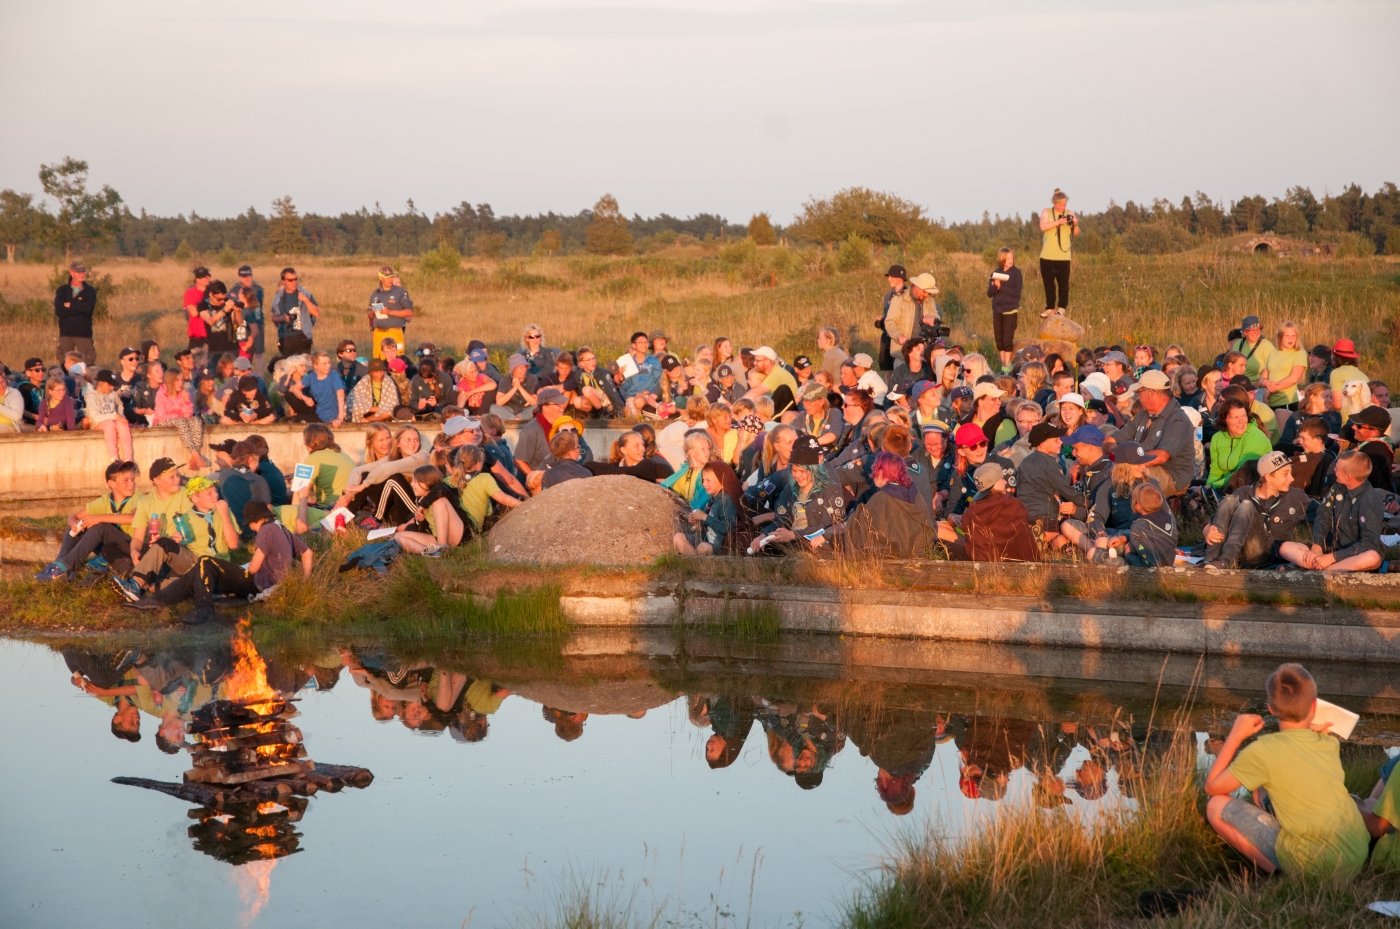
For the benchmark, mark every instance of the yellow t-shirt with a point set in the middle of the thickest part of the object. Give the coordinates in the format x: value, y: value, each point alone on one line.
x: 1302, y: 770
x: 476, y: 498
x: 1056, y: 243
x: 1279, y: 365
x: 777, y: 378
x: 1268, y: 418
x: 1255, y: 356
x: 149, y: 505
x: 1343, y: 373
x: 483, y: 697
x: 106, y: 506
x: 1386, y: 856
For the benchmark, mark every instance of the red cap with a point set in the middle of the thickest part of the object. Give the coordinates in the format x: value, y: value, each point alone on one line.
x: 1345, y: 348
x: 969, y: 435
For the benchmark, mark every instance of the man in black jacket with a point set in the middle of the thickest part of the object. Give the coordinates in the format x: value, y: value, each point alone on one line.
x: 73, y: 304
x: 1346, y: 532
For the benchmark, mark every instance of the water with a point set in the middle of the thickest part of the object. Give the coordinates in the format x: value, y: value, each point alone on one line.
x: 487, y: 815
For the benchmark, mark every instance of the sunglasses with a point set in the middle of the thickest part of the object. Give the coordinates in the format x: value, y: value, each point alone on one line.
x: 35, y: 368
x: 288, y: 279
x: 533, y: 338
x: 973, y: 448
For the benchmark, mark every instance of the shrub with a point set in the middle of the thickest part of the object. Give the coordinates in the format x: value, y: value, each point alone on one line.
x: 686, y: 239
x: 228, y: 256
x: 761, y: 230
x: 154, y: 254
x: 490, y: 244
x: 513, y: 276
x: 607, y: 234
x: 738, y: 253
x: 183, y: 252
x: 549, y: 242
x: 623, y: 286
x: 855, y: 254
x: 1159, y: 237
x: 442, y: 262
x: 1392, y: 241
x: 1354, y: 245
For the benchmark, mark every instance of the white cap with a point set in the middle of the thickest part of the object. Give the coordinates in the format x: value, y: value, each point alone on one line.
x: 1076, y: 399
x: 862, y: 360
x: 763, y: 351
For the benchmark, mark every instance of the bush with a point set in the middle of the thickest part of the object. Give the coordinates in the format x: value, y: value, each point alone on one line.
x: 490, y: 244
x: 738, y: 253
x: 623, y: 286
x: 1354, y: 245
x: 1392, y: 241
x: 513, y: 276
x: 228, y: 257
x: 183, y: 252
x: 761, y: 230
x: 855, y: 254
x: 442, y: 262
x: 1159, y: 237
x: 154, y: 254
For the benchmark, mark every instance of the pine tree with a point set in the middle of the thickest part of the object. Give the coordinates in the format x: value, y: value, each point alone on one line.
x: 761, y: 230
x: 607, y: 234
x: 284, y: 235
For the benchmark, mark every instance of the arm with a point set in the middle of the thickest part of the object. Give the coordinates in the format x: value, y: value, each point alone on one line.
x: 1220, y: 782
x: 306, y: 558
x: 340, y: 401
x: 503, y: 474
x: 226, y: 524
x: 1372, y: 519
x: 311, y: 306
x: 256, y: 562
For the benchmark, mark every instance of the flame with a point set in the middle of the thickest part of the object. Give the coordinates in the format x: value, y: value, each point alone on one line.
x: 270, y: 807
x: 248, y: 682
x: 262, y: 832
x: 254, y: 882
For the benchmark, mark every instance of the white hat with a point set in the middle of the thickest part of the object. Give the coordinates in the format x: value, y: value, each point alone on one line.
x: 1076, y: 399
x: 763, y: 351
x: 925, y: 282
x: 987, y: 389
x: 862, y: 360
x: 1096, y: 385
x: 1192, y: 414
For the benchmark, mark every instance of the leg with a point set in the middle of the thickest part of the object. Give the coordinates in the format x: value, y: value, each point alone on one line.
x: 109, y: 433
x: 88, y: 349
x: 683, y: 545
x: 1078, y: 534
x: 704, y: 548
x: 1047, y: 277
x: 415, y: 542
x: 1248, y: 830
x: 450, y: 529
x: 396, y: 503
x: 1295, y: 552
x: 1233, y: 518
x: 101, y: 537
x: 1063, y: 274
x: 124, y: 439
x: 1366, y: 561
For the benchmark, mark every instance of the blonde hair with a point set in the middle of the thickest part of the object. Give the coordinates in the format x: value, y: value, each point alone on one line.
x: 770, y: 446
x: 1035, y: 374
x: 1289, y: 326
x: 395, y: 453
x: 371, y: 432
x: 974, y: 366
x: 173, y: 379
x: 696, y: 410
x: 615, y: 454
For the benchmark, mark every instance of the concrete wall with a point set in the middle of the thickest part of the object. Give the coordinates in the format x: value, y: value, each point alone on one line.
x: 69, y: 465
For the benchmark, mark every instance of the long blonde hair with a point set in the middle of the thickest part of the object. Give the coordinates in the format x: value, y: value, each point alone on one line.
x: 770, y: 445
x: 1289, y: 326
x: 1035, y: 374
x: 974, y: 366
x: 371, y: 432
x: 395, y: 454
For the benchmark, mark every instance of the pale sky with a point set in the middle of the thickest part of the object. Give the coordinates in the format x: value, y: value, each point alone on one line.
x: 728, y: 106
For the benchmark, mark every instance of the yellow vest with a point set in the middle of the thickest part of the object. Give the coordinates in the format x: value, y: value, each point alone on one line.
x: 1055, y: 243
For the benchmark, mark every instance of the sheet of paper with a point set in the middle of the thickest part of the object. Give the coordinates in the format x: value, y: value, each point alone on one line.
x: 301, y: 477
x: 628, y: 365
x: 1343, y: 720
x: 328, y: 523
x: 1389, y: 540
x: 382, y: 533
x: 1187, y: 559
x: 1386, y: 907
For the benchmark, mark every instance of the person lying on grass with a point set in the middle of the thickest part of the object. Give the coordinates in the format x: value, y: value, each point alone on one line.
x: 1302, y: 820
x: 437, y: 512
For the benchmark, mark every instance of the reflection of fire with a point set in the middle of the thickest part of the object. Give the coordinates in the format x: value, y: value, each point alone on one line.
x: 248, y: 682
x: 254, y: 882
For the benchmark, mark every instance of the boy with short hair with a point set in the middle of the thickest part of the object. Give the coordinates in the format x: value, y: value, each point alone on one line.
x: 1152, y: 536
x: 103, y: 527
x: 1312, y: 464
x: 1302, y: 820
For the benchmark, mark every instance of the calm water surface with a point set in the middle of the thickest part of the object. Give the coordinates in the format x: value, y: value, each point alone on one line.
x: 737, y: 785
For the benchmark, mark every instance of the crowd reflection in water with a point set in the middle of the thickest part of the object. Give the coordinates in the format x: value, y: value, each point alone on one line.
x: 1062, y: 758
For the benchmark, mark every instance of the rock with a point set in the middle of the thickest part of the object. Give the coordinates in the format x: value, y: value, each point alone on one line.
x: 613, y: 519
x: 1062, y: 329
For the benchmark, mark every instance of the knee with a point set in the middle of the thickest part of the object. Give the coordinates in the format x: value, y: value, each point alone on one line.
x: 1215, y: 809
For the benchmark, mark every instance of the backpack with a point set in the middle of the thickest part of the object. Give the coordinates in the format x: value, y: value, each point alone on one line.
x: 376, y: 556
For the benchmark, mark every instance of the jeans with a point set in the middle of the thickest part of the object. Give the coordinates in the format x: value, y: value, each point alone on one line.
x: 1261, y: 829
x: 106, y: 539
x: 1055, y: 275
x: 1246, y: 543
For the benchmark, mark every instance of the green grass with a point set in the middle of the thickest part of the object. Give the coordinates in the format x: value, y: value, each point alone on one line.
x: 749, y: 623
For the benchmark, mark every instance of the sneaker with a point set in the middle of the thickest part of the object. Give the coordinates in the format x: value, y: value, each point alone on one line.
x: 145, y: 605
x: 98, y: 563
x: 199, y: 616
x: 57, y: 571
x: 128, y: 588
x: 435, y: 551
x: 369, y: 524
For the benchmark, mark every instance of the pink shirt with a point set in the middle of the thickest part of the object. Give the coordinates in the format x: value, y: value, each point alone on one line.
x: 179, y: 406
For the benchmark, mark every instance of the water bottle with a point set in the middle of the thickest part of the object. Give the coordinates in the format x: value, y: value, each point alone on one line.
x: 152, y: 530
x: 182, y: 526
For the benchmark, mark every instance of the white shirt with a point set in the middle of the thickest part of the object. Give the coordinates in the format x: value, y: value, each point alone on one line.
x: 874, y: 383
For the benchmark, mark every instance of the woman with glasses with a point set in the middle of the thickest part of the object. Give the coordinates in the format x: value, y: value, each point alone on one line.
x: 539, y: 358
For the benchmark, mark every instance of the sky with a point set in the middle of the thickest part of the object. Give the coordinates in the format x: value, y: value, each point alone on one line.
x: 726, y: 106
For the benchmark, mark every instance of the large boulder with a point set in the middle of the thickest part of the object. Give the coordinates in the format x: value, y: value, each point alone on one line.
x: 613, y: 519
x: 1061, y: 329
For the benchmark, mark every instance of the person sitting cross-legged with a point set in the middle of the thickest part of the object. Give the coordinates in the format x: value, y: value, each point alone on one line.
x: 102, y: 528
x: 437, y: 511
x: 274, y: 550
x: 1346, y: 533
x: 206, y: 530
x: 1254, y: 522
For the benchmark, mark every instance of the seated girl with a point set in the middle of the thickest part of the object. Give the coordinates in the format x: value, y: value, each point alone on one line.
x: 438, y: 524
x: 710, y: 526
x: 477, y: 489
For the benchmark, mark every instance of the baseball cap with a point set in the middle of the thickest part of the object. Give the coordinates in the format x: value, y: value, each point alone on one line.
x: 1086, y: 435
x: 987, y: 390
x: 918, y: 389
x: 960, y: 393
x: 551, y: 395
x: 242, y: 364
x: 801, y: 361
x: 1130, y: 453
x: 862, y: 360
x: 763, y: 351
x: 1372, y: 416
x: 969, y: 435
x: 724, y: 370
x: 812, y: 390
x: 670, y: 363
x: 1114, y: 358
x: 78, y: 266
x: 897, y: 271
x: 806, y: 451
x: 986, y: 477
x: 386, y: 271
x: 1042, y: 432
x: 1095, y: 405
x: 106, y: 377
x: 159, y: 467
x: 1154, y: 380
x: 455, y: 426
x: 477, y: 355
x: 899, y: 389
x: 201, y: 272
x: 1271, y: 462
x: 1249, y: 322
x: 226, y: 446
x: 515, y: 361
x: 245, y: 270
x: 34, y: 362
x: 247, y: 382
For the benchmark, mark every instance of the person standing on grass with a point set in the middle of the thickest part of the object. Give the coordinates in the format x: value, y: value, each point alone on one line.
x: 1058, y: 227
x: 390, y: 309
x: 250, y: 298
x: 195, y: 329
x: 73, y: 304
x: 1004, y: 287
x: 221, y: 322
x: 1302, y: 820
x: 294, y: 312
x: 898, y: 279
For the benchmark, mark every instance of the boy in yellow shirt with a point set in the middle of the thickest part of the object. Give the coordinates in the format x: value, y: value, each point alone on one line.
x: 1302, y: 819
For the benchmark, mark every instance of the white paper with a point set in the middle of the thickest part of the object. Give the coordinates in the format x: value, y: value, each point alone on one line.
x: 328, y: 523
x: 1187, y: 559
x: 1342, y: 719
x: 1386, y: 907
x: 301, y: 477
x: 381, y: 533
x: 1000, y: 276
x: 1389, y: 540
x: 628, y: 366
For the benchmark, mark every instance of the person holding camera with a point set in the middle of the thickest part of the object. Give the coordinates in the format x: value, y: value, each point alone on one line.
x: 1058, y: 227
x: 914, y: 314
x: 294, y: 311
x: 1004, y: 287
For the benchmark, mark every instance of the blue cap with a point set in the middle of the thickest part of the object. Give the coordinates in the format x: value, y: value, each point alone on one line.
x: 1129, y: 453
x: 478, y: 355
x: 961, y: 393
x: 1085, y: 435
x: 918, y: 388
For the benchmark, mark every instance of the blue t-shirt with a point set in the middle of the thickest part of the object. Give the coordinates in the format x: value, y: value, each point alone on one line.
x: 322, y: 391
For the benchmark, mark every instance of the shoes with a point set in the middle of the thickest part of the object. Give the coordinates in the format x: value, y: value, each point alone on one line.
x: 145, y: 605
x: 1214, y: 566
x: 98, y: 563
x: 128, y: 588
x: 57, y: 571
x: 435, y: 551
x: 369, y: 524
x: 199, y: 616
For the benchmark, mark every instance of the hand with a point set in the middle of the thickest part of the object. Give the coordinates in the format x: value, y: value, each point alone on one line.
x: 819, y: 541
x: 697, y: 516
x: 996, y: 284
x: 1066, y: 509
x: 335, y: 423
x: 1246, y: 725
x: 1322, y: 562
x: 221, y: 506
x: 1320, y: 727
x: 1214, y: 536
x: 785, y: 535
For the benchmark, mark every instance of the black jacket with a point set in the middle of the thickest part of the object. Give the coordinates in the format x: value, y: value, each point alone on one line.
x: 1008, y: 298
x: 74, y: 311
x: 1348, y: 522
x: 1042, y: 485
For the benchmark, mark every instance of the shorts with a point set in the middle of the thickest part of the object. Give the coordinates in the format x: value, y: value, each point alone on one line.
x: 1259, y: 828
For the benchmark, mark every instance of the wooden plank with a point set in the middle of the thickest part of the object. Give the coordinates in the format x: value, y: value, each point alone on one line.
x: 223, y: 776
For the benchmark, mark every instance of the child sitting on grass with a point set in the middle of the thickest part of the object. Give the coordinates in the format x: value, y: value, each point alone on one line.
x: 477, y: 489
x: 711, y: 525
x: 1302, y: 820
x: 1381, y: 812
x: 437, y: 511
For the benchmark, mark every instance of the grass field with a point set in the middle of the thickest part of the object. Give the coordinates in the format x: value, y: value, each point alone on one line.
x: 772, y: 296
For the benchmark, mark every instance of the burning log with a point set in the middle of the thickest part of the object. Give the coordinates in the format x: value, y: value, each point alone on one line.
x: 351, y: 775
x: 242, y: 774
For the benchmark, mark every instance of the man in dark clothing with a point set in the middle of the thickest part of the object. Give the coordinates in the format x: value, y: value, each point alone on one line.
x: 73, y: 304
x: 1042, y: 485
x: 898, y: 280
x: 1164, y: 431
x: 31, y: 387
x: 294, y: 311
x: 1093, y: 468
x: 1252, y: 523
x: 1346, y: 533
x: 564, y: 449
x: 1369, y: 426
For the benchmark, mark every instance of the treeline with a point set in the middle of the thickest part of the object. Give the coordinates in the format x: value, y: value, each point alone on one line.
x: 101, y: 223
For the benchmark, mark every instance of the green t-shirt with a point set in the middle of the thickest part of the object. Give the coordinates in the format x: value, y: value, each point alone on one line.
x: 485, y: 698
x: 331, y: 475
x: 1386, y: 856
x: 777, y: 378
x: 1255, y: 355
x: 476, y: 498
x: 1302, y: 770
x: 106, y: 506
x: 1279, y: 365
x: 209, y: 540
x: 149, y: 505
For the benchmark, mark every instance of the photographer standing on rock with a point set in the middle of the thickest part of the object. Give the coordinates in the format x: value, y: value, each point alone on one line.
x: 1004, y: 287
x: 1058, y: 227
